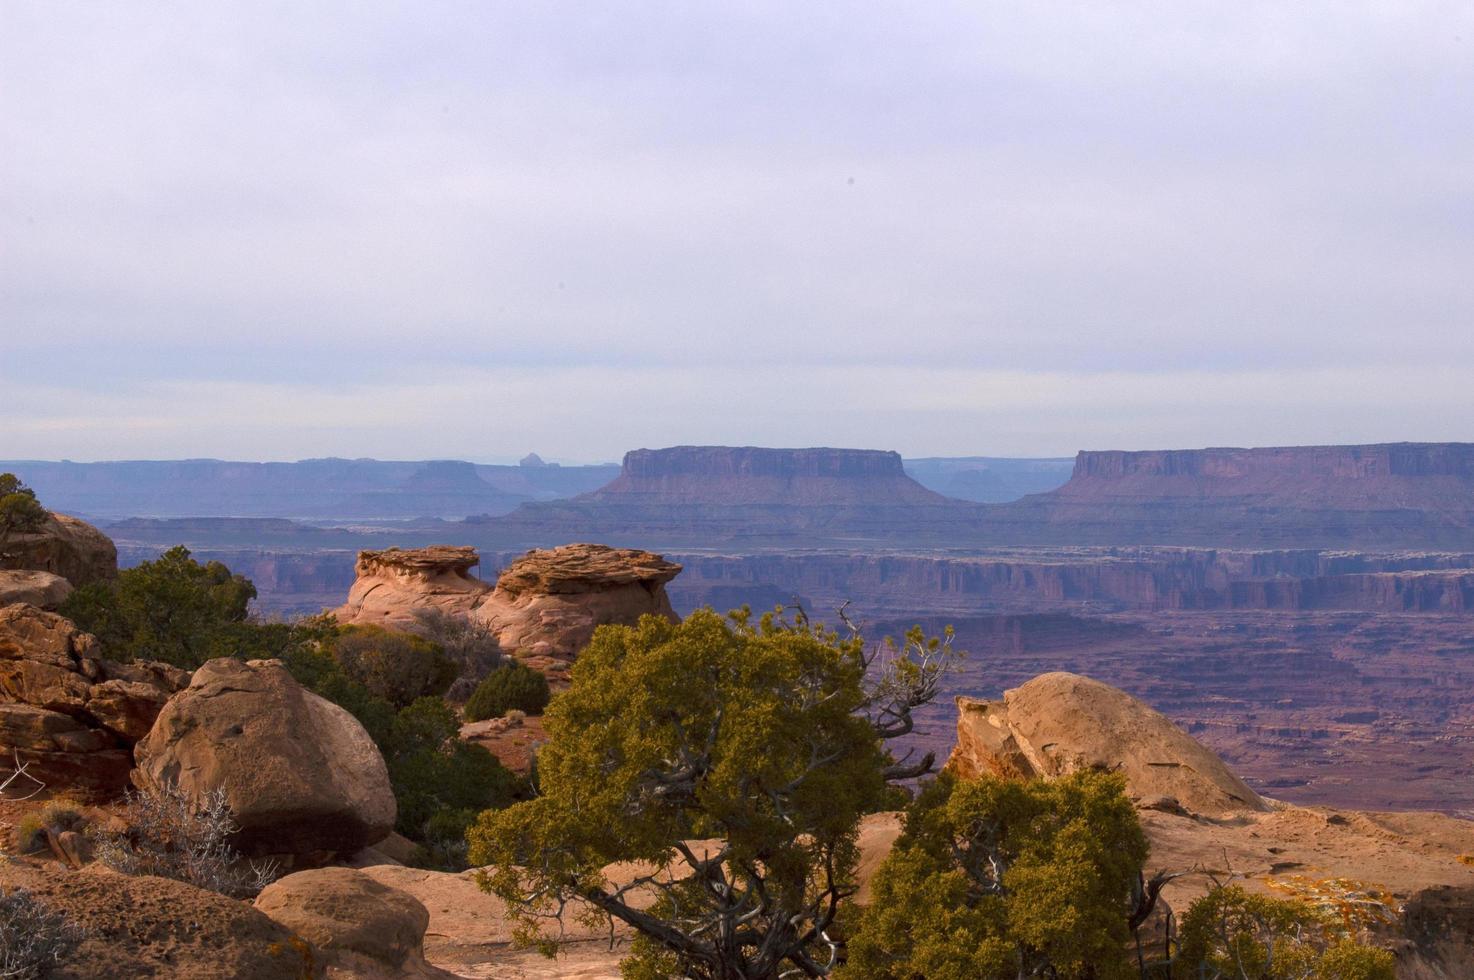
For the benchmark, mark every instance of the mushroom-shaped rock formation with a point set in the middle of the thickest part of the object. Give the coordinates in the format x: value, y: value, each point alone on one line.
x: 1058, y: 723
x: 301, y: 775
x: 395, y: 584
x: 71, y: 715
x: 543, y: 608
x: 66, y: 546
x: 547, y: 604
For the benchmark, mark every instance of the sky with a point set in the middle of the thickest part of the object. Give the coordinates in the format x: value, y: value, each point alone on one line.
x: 471, y: 230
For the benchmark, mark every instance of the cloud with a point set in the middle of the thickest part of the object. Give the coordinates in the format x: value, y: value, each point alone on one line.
x: 324, y: 205
x: 494, y: 416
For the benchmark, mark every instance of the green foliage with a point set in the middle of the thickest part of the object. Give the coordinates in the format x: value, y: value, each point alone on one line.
x: 172, y: 609
x: 997, y: 878
x: 764, y: 737
x: 513, y: 686
x: 398, y: 667
x: 1230, y: 934
x: 57, y: 816
x: 440, y: 782
x: 20, y: 511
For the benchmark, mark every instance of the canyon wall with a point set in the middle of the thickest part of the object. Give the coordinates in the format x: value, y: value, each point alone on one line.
x: 1097, y: 580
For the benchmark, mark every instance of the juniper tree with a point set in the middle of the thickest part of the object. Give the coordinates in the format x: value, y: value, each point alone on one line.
x: 766, y: 739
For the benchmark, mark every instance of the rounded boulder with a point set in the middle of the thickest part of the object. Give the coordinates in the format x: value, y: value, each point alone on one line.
x: 300, y: 773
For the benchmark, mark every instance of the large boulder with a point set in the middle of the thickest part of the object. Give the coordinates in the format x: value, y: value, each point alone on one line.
x: 41, y: 589
x: 349, y: 917
x: 155, y: 927
x: 1058, y: 723
x: 69, y: 714
x: 300, y: 773
x: 66, y: 546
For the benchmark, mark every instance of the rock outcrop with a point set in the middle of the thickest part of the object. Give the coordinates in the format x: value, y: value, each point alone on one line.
x: 1200, y: 817
x: 543, y: 608
x: 66, y: 546
x: 70, y: 714
x: 1059, y: 723
x: 394, y: 585
x: 358, y: 925
x: 41, y: 589
x: 547, y: 604
x: 300, y: 773
x: 155, y: 927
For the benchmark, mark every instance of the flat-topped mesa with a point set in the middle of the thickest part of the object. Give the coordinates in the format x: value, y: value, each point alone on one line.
x: 395, y: 585
x: 1059, y: 723
x: 747, y: 475
x: 1386, y: 475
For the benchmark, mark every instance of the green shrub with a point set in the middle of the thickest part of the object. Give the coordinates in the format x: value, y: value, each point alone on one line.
x: 398, y: 667
x: 995, y: 879
x: 440, y: 782
x: 515, y: 686
x: 172, y: 609
x: 56, y: 816
x: 1230, y: 934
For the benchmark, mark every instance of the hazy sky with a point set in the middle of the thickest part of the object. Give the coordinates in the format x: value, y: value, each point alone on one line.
x: 439, y: 229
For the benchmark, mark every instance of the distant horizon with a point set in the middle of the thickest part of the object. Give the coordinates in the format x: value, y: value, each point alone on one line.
x: 569, y: 462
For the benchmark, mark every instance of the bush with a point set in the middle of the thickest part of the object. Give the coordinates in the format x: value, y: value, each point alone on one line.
x: 33, y: 938
x: 172, y: 609
x: 434, y: 773
x: 20, y: 511
x: 514, y: 686
x: 997, y: 879
x: 57, y: 816
x: 468, y: 643
x: 398, y: 667
x: 172, y: 835
x: 1229, y: 934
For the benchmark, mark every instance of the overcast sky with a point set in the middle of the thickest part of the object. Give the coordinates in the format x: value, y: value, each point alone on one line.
x: 439, y: 229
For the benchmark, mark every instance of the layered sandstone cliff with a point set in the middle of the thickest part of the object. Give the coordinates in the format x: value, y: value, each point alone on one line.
x: 1100, y: 579
x: 543, y: 608
x: 705, y: 494
x: 1404, y: 495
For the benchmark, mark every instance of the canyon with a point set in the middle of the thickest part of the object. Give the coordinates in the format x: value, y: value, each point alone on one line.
x: 1308, y: 613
